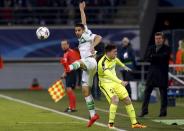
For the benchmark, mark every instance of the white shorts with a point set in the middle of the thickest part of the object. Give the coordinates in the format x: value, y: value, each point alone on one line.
x: 87, y: 75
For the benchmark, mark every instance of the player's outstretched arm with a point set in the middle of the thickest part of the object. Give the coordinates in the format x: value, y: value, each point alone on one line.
x: 82, y: 6
x: 122, y: 65
x: 97, y: 40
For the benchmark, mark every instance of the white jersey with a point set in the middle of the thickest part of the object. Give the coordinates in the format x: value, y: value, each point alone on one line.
x: 86, y: 43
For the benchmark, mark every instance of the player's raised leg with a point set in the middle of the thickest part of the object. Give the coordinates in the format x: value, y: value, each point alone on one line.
x: 89, y: 66
x: 90, y: 104
x: 87, y: 82
x: 87, y: 42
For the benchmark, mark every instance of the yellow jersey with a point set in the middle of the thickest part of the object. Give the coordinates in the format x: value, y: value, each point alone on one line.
x: 107, y: 70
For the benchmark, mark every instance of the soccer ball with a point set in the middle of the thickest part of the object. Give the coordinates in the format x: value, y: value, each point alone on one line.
x: 42, y: 33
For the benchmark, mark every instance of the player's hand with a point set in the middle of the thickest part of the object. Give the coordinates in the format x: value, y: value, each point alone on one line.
x: 82, y: 5
x: 63, y: 60
x: 124, y: 83
x: 93, y: 51
x: 127, y: 69
x: 63, y: 75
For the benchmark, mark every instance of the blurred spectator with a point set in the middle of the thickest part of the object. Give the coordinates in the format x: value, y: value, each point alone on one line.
x: 180, y: 56
x: 7, y: 11
x: 70, y: 13
x: 171, y: 59
x: 117, y: 2
x: 127, y: 56
x: 24, y: 11
x: 59, y: 3
x: 92, y: 3
x: 21, y: 11
x: 20, y: 3
x: 1, y: 62
x: 42, y: 3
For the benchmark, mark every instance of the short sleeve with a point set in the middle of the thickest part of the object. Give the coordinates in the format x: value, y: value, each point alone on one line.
x: 88, y: 35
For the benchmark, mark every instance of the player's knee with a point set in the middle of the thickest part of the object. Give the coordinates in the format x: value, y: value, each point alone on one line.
x: 84, y: 84
x: 81, y: 63
x: 85, y: 91
x: 115, y: 100
x: 127, y: 100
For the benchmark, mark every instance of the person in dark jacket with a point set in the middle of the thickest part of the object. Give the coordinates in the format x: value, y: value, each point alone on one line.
x: 158, y: 56
x: 126, y: 55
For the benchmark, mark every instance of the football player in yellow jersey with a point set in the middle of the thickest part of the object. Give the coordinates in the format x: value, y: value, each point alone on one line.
x: 114, y: 88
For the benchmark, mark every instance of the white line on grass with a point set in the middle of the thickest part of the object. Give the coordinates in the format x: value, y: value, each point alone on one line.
x: 54, y: 123
x: 52, y: 110
x: 180, y: 104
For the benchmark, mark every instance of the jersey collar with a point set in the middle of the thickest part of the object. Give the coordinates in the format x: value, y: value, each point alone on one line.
x: 107, y: 58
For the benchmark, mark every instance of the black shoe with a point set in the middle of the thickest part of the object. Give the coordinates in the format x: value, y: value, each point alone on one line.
x: 163, y: 114
x: 142, y: 114
x: 70, y: 110
x: 111, y: 126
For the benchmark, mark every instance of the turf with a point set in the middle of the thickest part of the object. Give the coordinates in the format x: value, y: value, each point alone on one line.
x: 42, y: 98
x: 20, y: 117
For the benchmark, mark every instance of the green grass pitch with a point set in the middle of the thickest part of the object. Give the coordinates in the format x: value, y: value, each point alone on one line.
x: 16, y: 116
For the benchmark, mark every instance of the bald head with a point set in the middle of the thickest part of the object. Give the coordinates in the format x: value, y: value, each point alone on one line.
x: 65, y: 45
x: 125, y: 41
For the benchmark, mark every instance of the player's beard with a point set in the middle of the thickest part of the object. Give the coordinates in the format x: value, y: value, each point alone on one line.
x: 78, y: 36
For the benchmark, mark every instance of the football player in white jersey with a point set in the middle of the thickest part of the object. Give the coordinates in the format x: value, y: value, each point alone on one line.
x: 87, y: 42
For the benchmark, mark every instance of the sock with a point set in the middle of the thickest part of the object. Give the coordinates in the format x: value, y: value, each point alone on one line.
x: 74, y: 66
x: 112, y: 113
x: 72, y: 99
x: 90, y: 105
x: 131, y: 113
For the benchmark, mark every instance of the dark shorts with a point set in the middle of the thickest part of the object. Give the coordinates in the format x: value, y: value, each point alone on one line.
x: 71, y: 79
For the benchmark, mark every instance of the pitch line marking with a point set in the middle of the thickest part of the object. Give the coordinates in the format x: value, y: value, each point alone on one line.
x: 52, y: 110
x: 55, y: 123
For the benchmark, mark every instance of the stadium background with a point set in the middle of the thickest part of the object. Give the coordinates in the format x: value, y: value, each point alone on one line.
x: 25, y: 57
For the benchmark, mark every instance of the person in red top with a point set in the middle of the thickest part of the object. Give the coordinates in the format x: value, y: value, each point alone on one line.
x: 1, y: 62
x: 70, y: 56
